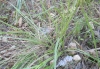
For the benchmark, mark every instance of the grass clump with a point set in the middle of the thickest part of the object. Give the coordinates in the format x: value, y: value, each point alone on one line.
x: 57, y: 23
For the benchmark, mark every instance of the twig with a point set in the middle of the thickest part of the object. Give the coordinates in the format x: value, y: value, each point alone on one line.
x: 78, y: 44
x: 94, y: 49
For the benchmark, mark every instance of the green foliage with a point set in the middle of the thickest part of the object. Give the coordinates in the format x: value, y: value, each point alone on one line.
x: 66, y: 14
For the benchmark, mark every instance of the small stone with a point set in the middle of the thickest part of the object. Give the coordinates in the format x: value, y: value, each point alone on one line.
x: 92, y: 52
x: 52, y: 15
x: 72, y: 46
x: 76, y: 58
x: 51, y: 62
x: 46, y: 57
